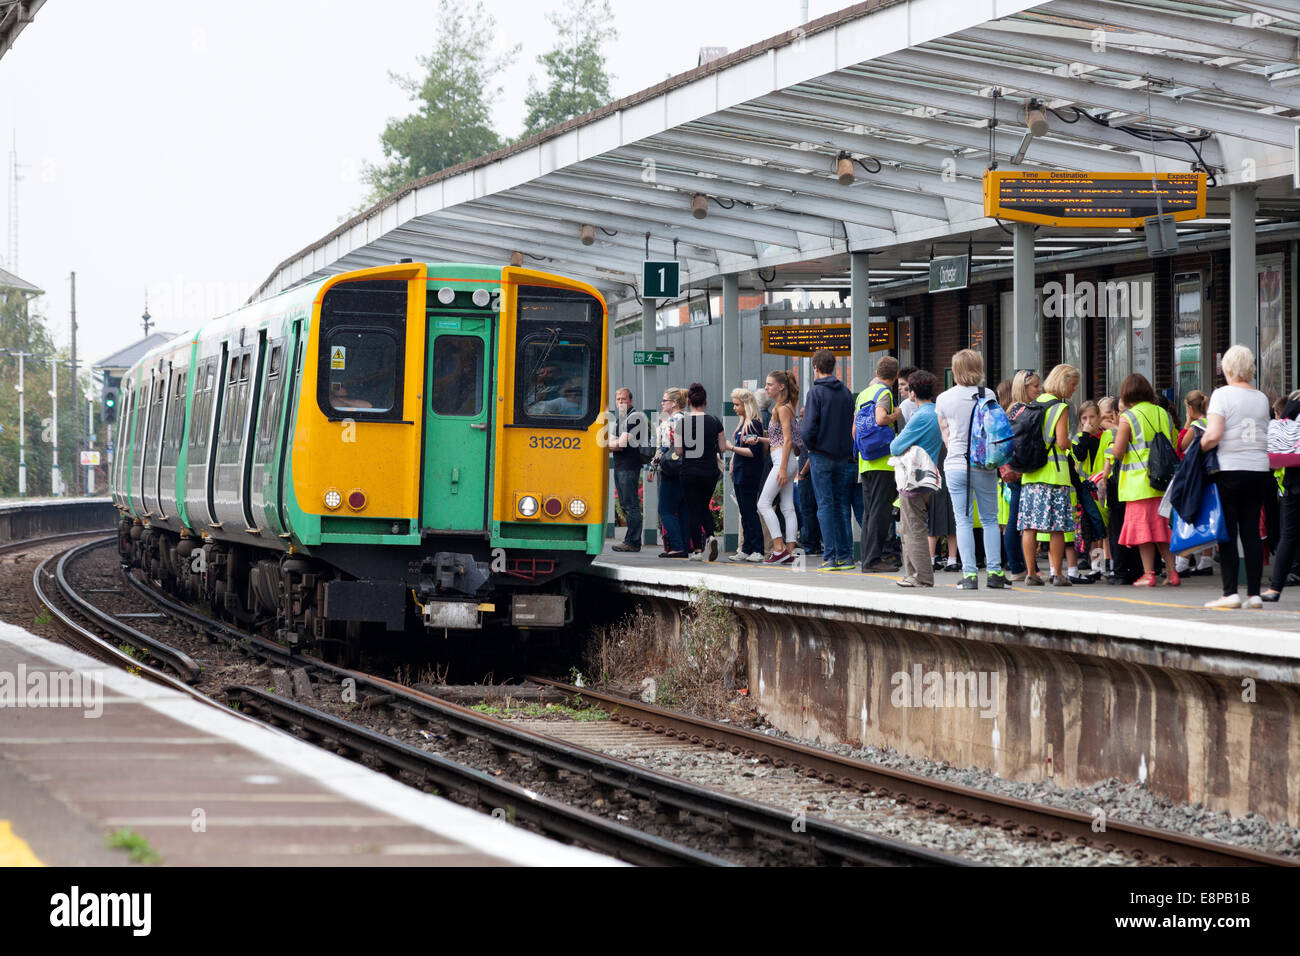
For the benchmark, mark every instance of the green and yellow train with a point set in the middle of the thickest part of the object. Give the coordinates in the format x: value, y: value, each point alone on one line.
x: 404, y: 445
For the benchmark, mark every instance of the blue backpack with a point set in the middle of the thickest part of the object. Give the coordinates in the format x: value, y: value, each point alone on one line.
x: 991, y: 437
x: 870, y: 441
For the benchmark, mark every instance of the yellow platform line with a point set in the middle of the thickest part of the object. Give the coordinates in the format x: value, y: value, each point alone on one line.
x: 14, y: 850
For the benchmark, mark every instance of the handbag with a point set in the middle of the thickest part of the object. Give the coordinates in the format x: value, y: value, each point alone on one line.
x: 1207, y: 530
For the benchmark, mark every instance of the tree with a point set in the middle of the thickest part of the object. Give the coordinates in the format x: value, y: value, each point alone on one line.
x: 22, y: 329
x: 453, y: 122
x: 577, y: 81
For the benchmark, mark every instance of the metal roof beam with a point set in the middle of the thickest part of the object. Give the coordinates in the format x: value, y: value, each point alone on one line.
x: 887, y: 149
x: 1282, y: 9
x: 673, y: 210
x: 1238, y: 83
x: 689, y: 184
x: 633, y: 224
x: 961, y: 191
x: 1262, y: 46
x: 487, y: 237
x: 457, y: 250
x: 1245, y: 124
x: 981, y: 108
x: 1048, y: 152
x: 528, y: 227
x: 810, y: 184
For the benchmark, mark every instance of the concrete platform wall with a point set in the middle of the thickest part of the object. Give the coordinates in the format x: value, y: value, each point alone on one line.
x: 1222, y: 730
x: 29, y: 519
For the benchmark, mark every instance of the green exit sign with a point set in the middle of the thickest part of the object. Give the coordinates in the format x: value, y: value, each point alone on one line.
x: 660, y: 279
x: 655, y: 357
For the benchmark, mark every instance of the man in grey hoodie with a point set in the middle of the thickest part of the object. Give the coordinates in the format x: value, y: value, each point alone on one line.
x: 827, y: 432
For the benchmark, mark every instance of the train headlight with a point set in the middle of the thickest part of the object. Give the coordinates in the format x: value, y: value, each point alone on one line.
x: 577, y: 507
x: 333, y: 498
x: 481, y: 297
x: 553, y: 507
x: 446, y: 295
x: 528, y: 506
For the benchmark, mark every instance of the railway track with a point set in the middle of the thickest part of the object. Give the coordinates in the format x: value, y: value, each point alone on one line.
x: 1033, y: 820
x: 712, y: 817
x: 548, y: 757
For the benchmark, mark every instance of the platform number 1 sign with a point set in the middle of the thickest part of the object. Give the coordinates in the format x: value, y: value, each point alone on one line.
x: 660, y: 279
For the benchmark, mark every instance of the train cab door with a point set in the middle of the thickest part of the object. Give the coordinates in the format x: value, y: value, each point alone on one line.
x: 458, y: 421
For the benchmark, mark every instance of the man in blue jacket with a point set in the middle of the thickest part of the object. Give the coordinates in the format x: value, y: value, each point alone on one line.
x: 827, y: 432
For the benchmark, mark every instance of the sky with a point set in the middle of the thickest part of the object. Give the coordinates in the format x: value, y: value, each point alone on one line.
x: 182, y: 150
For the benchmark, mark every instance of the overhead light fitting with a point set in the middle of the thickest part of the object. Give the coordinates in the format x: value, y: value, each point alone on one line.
x: 1022, y: 148
x: 516, y: 259
x: 699, y: 205
x: 1036, y: 118
x: 844, y: 169
x: 588, y: 235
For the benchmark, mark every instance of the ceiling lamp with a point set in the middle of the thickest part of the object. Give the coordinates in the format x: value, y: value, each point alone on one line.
x: 1036, y: 118
x: 516, y: 259
x: 588, y: 235
x: 699, y: 205
x: 844, y: 169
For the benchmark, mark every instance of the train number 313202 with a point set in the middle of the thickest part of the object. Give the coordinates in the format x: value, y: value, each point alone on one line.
x: 554, y: 441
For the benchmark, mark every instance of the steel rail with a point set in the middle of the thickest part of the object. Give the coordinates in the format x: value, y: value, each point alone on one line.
x: 1010, y: 813
x: 552, y: 817
x: 178, y: 661
x: 821, y: 837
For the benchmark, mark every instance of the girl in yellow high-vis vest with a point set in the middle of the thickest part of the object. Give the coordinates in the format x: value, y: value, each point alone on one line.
x: 1144, y: 527
x: 1045, y: 493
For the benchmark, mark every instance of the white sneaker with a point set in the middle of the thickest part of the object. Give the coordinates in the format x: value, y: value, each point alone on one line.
x: 695, y: 556
x: 1253, y: 603
x: 755, y: 558
x: 1206, y: 563
x: 711, y: 549
x: 1181, y: 564
x: 738, y: 556
x: 1229, y: 603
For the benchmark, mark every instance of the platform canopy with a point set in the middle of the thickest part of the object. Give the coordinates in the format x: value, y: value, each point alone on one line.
x: 14, y: 17
x: 915, y: 92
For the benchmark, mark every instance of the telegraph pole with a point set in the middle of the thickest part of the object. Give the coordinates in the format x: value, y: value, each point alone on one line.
x: 74, y: 364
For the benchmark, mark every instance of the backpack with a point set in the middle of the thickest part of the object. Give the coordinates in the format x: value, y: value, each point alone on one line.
x: 990, y: 433
x: 1029, y: 445
x: 1162, y: 460
x: 870, y: 440
x: 639, y: 429
x: 915, y: 472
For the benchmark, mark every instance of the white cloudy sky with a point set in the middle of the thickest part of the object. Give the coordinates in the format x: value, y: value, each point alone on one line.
x: 185, y: 148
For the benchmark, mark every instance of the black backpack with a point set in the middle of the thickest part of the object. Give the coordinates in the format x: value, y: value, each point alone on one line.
x: 1162, y: 461
x: 1028, y: 446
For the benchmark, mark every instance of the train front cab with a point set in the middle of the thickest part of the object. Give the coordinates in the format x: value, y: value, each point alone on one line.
x: 414, y: 434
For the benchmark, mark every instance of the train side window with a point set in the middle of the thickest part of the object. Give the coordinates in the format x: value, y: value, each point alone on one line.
x: 275, y: 362
x: 457, y: 375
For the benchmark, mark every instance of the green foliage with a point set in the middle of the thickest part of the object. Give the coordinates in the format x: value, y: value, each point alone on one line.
x: 452, y: 122
x: 43, y: 618
x: 23, y: 329
x: 135, y: 845
x: 575, y: 712
x: 576, y: 79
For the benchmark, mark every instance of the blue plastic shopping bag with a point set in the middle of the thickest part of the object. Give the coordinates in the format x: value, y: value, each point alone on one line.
x: 1206, y: 531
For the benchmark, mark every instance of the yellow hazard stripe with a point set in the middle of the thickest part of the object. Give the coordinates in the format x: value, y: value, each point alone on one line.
x: 14, y: 850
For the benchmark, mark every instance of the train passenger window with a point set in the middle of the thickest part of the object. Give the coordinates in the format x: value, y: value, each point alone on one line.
x: 555, y: 378
x: 361, y: 368
x: 457, y: 375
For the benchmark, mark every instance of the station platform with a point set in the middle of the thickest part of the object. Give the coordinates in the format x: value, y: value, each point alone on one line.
x: 1077, y: 685
x: 105, y: 751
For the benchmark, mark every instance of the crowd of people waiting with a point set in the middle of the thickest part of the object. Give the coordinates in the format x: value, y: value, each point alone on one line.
x: 1085, y: 494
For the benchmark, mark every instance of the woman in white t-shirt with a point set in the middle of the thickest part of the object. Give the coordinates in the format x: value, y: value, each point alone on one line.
x: 1237, y: 425
x: 980, y: 490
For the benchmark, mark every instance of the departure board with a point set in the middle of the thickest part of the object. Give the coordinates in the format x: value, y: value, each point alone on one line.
x: 1092, y: 200
x: 806, y: 339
